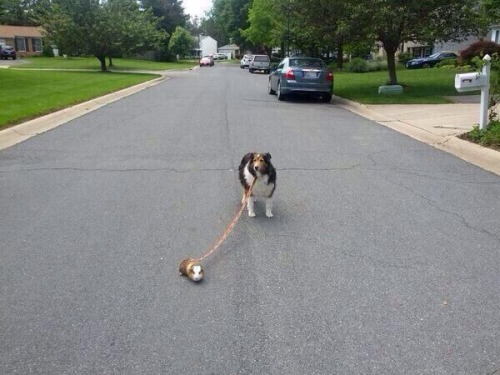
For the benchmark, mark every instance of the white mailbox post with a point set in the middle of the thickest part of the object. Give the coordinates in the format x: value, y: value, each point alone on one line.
x: 477, y: 81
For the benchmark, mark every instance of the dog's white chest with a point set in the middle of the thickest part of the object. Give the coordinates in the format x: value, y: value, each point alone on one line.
x: 262, y: 188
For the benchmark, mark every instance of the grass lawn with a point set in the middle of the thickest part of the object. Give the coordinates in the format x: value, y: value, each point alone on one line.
x: 420, y: 86
x: 29, y: 94
x: 93, y: 63
x: 33, y: 93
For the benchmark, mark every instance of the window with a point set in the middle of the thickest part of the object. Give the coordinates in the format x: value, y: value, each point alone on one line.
x: 496, y: 36
x: 20, y: 44
x: 37, y: 45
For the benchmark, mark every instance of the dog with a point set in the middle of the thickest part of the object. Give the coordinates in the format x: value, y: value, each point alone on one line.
x: 258, y: 166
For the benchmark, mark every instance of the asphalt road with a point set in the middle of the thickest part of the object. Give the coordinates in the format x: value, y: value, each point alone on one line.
x: 382, y: 256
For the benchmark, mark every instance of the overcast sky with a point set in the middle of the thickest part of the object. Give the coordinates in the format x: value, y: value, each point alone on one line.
x: 196, y: 7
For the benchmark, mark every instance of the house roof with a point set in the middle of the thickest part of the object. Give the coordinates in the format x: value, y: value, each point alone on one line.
x: 7, y: 31
x: 230, y: 46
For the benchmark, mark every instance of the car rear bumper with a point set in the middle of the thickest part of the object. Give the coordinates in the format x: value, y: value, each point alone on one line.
x: 288, y: 87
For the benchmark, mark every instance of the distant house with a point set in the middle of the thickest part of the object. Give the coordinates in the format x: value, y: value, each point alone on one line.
x: 233, y: 49
x: 206, y: 46
x: 423, y: 49
x: 26, y: 40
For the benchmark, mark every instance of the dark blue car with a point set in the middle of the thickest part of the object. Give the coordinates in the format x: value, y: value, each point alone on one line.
x: 7, y: 52
x: 432, y: 60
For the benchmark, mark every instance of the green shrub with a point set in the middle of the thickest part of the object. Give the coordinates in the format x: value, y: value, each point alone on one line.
x: 403, y: 58
x: 489, y: 137
x: 358, y: 65
x: 377, y: 65
x: 446, y: 62
x: 47, y: 51
x: 479, y: 49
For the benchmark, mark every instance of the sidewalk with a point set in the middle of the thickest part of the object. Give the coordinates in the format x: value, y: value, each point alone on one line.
x: 435, y: 124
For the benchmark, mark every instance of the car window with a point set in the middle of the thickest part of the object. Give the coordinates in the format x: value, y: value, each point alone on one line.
x: 307, y: 63
x: 261, y: 58
x: 281, y: 65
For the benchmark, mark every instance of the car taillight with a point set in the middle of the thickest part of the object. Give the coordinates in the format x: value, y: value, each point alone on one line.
x: 329, y: 76
x: 289, y: 74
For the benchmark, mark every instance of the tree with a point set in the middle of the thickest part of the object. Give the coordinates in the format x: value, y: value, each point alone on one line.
x: 181, y: 41
x: 170, y: 12
x: 266, y: 23
x: 100, y: 28
x: 226, y: 19
x: 393, y: 22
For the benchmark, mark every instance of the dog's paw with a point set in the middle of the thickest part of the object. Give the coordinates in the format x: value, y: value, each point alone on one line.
x: 269, y: 214
x: 251, y: 214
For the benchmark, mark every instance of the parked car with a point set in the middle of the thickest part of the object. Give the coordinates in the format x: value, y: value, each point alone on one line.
x: 7, y: 52
x: 220, y: 56
x: 260, y: 62
x: 432, y: 60
x: 206, y: 61
x: 245, y: 61
x: 301, y: 75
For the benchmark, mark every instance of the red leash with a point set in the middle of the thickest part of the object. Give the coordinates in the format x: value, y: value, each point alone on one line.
x: 230, y: 226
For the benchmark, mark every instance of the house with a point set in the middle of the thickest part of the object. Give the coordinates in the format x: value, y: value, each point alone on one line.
x: 422, y: 50
x: 232, y: 49
x: 206, y: 46
x: 26, y: 40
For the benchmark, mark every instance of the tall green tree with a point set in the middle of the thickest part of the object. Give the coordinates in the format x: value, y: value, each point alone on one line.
x: 100, y: 28
x: 181, y: 41
x: 171, y: 13
x: 393, y: 22
x: 19, y: 12
x: 225, y: 20
x: 266, y: 23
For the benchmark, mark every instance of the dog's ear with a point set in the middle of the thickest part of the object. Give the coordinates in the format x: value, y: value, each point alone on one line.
x: 267, y: 157
x: 247, y: 158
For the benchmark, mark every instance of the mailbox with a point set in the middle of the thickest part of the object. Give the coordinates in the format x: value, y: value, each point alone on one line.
x: 470, y: 82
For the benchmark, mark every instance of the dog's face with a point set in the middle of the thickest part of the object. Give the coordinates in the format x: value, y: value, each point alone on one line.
x: 196, y: 272
x: 260, y: 163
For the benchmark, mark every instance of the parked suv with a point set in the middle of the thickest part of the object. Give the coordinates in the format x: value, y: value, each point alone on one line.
x: 260, y: 62
x: 7, y: 52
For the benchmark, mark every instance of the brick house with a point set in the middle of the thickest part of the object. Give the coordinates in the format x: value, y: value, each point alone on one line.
x: 26, y: 40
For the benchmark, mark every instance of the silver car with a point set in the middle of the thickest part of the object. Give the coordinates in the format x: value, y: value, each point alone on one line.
x: 260, y: 62
x: 301, y: 75
x: 245, y: 61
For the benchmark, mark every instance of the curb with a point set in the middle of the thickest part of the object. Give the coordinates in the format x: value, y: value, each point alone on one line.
x: 20, y: 133
x: 483, y: 157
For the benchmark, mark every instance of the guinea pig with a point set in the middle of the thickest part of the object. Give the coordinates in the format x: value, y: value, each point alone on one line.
x: 192, y: 269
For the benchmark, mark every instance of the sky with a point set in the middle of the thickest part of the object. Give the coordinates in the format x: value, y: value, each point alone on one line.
x: 196, y: 7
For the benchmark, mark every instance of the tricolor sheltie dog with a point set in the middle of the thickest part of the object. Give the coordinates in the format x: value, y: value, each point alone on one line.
x: 258, y: 166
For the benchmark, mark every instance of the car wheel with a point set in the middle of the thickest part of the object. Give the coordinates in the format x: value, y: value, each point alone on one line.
x: 270, y: 88
x: 250, y: 70
x: 279, y: 94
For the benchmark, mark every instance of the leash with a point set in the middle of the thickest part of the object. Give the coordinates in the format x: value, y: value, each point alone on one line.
x: 231, y: 225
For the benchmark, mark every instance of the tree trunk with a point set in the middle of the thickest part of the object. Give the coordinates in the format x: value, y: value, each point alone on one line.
x: 340, y: 56
x: 390, y: 50
x: 102, y: 59
x: 110, y: 62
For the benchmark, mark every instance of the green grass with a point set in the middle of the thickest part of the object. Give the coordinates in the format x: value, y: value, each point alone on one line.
x: 28, y: 94
x: 490, y: 137
x: 93, y: 63
x: 420, y: 86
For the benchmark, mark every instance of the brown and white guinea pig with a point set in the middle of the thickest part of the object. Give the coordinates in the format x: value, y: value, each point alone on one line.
x: 192, y: 269
x: 256, y: 166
